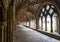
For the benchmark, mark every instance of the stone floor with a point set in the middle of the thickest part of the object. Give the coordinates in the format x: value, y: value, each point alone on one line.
x: 23, y: 34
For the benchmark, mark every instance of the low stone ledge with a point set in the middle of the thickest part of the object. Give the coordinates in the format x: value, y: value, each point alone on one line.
x: 46, y: 33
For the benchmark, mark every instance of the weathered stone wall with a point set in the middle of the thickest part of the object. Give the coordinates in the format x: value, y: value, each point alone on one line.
x: 9, y: 21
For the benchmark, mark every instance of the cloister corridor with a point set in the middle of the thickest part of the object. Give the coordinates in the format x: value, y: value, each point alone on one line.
x: 24, y: 34
x: 29, y: 20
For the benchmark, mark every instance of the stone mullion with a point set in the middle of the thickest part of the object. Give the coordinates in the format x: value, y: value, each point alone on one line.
x: 59, y: 24
x: 45, y: 23
x: 41, y: 23
x: 51, y: 25
x: 57, y: 21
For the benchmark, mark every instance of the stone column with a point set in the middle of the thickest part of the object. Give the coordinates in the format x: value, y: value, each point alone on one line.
x: 14, y: 17
x: 26, y: 22
x: 11, y: 21
x: 37, y: 22
x: 4, y: 32
x: 29, y: 22
x: 59, y: 24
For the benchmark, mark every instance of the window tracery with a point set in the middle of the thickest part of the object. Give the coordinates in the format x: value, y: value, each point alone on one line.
x: 48, y: 18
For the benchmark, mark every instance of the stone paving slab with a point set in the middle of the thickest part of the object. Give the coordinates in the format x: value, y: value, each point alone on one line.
x: 23, y: 34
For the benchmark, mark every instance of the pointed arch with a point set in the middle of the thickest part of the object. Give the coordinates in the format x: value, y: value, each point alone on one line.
x: 48, y: 9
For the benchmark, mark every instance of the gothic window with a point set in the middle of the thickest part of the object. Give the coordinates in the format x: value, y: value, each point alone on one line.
x: 33, y: 22
x: 48, y: 19
x: 43, y: 23
x: 39, y: 22
x: 55, y: 22
x: 50, y: 11
x: 47, y: 8
x: 43, y: 9
x: 48, y: 24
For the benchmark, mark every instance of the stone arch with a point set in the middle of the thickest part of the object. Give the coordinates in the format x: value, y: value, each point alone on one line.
x: 53, y: 4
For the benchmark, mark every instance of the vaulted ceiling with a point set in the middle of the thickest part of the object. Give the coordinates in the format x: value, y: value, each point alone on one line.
x: 26, y: 6
x: 30, y: 6
x: 20, y: 3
